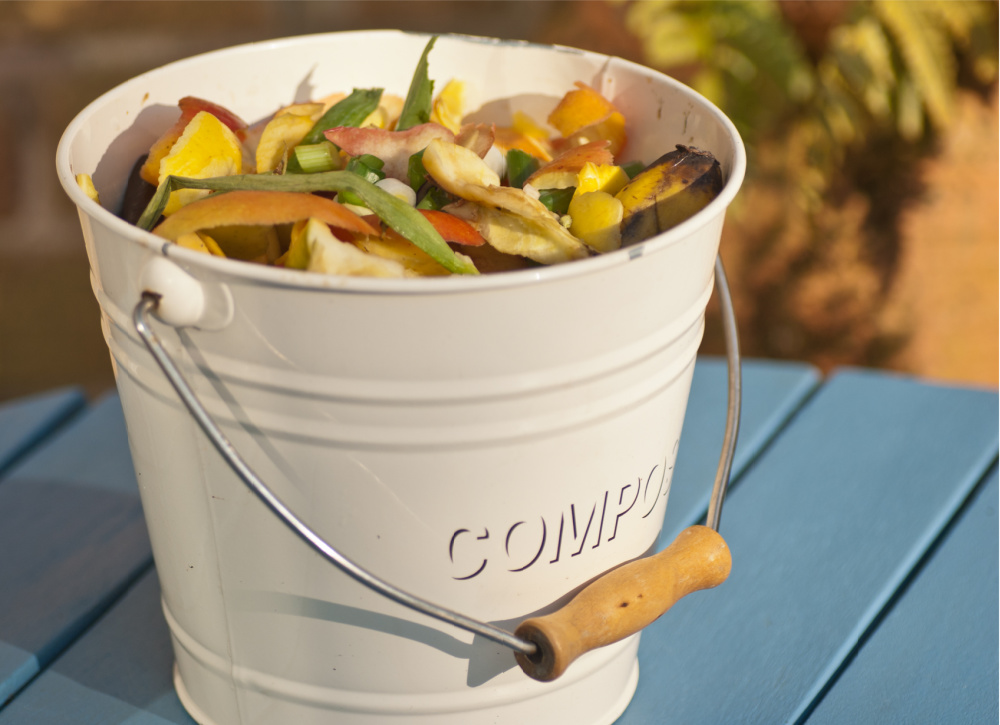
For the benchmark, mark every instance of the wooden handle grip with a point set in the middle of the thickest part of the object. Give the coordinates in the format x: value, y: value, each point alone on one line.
x: 623, y: 601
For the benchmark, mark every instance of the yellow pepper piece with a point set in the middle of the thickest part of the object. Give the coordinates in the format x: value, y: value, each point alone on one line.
x: 313, y: 110
x: 508, y: 138
x: 297, y: 256
x: 200, y: 242
x: 449, y: 106
x: 596, y: 220
x: 213, y: 247
x: 416, y: 261
x: 386, y: 114
x: 584, y: 115
x: 207, y: 148
x: 579, y: 109
x: 250, y: 242
x: 87, y: 185
x: 601, y: 177
x: 525, y: 124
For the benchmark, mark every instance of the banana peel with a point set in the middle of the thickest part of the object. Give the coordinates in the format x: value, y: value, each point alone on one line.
x: 506, y: 217
x: 671, y: 189
x: 521, y: 236
x: 414, y: 260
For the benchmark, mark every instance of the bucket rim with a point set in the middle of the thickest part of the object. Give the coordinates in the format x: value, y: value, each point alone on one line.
x: 300, y: 279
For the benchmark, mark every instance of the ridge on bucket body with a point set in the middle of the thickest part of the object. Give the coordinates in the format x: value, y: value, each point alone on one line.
x: 488, y: 443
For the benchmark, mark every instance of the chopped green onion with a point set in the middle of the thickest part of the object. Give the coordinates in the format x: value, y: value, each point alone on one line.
x: 435, y: 198
x: 520, y: 165
x: 369, y: 168
x: 556, y: 200
x: 350, y: 111
x: 316, y: 157
x: 392, y: 210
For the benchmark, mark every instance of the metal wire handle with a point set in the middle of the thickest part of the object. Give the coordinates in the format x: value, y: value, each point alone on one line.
x: 141, y: 319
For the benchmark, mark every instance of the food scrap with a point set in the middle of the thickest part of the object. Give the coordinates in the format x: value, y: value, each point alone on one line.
x: 372, y: 184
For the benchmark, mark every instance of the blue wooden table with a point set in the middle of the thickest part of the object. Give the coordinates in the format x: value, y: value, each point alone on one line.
x: 862, y: 519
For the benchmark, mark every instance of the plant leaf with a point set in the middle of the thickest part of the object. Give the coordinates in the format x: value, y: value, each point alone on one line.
x: 417, y: 106
x: 926, y: 51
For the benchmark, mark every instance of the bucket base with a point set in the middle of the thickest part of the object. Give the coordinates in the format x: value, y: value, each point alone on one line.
x: 585, y: 702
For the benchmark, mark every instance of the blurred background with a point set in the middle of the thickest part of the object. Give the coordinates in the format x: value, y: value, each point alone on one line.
x: 866, y: 232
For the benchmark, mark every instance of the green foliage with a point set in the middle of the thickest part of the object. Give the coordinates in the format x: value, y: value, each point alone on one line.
x: 837, y: 103
x: 888, y: 66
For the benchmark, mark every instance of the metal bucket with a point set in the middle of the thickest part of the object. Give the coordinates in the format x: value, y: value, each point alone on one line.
x: 491, y: 444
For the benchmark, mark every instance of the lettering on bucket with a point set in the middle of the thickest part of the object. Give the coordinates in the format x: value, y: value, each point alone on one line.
x: 572, y: 532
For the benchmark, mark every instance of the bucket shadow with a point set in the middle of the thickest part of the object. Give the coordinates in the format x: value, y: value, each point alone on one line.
x: 501, y: 111
x: 488, y: 659
x: 311, y: 608
x: 112, y: 171
x: 240, y: 417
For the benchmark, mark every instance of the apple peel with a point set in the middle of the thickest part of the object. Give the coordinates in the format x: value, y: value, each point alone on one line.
x: 257, y: 208
x: 394, y: 147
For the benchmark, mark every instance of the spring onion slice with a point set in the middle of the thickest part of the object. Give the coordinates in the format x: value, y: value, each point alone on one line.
x: 392, y: 210
x: 317, y: 157
x: 350, y: 111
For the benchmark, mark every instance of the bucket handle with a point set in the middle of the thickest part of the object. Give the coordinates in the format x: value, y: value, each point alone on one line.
x: 617, y: 604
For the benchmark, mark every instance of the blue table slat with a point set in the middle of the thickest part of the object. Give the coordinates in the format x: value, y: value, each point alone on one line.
x: 944, y: 616
x: 824, y: 527
x: 72, y: 535
x: 772, y: 392
x: 27, y: 421
x: 119, y: 672
x: 92, y: 452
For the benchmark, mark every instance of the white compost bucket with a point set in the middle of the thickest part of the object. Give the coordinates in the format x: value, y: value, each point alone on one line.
x: 490, y: 444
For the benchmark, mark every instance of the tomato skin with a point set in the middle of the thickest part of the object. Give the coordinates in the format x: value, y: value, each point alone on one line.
x: 452, y: 228
x: 190, y: 106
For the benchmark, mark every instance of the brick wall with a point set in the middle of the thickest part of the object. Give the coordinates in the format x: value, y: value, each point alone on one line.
x: 55, y: 57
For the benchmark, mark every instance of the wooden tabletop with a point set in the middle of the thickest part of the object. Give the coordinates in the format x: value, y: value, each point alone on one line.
x: 862, y: 519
